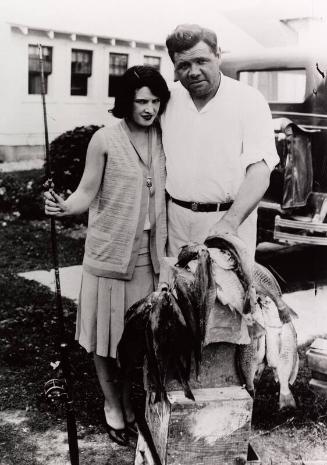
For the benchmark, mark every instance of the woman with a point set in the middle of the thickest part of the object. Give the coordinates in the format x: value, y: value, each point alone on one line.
x: 123, y: 186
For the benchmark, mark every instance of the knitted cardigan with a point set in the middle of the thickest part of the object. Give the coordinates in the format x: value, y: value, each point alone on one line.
x: 117, y: 214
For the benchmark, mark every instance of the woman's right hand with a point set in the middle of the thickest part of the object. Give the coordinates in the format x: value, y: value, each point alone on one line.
x: 54, y: 205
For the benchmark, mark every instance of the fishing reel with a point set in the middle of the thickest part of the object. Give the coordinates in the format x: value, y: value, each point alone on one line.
x: 55, y: 391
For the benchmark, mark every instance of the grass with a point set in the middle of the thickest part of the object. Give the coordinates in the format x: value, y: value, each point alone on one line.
x: 28, y: 343
x: 28, y: 325
x: 28, y: 331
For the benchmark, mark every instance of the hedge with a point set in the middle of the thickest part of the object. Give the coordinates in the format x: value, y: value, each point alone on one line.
x: 21, y: 191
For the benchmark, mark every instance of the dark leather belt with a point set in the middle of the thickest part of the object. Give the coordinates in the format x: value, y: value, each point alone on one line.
x: 202, y: 207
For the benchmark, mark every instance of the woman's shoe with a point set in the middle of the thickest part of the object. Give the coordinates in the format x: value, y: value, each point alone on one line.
x: 119, y: 436
x: 131, y: 428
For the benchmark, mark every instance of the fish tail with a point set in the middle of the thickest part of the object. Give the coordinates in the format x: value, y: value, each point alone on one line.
x: 286, y: 401
x: 188, y: 393
x: 285, y: 312
x: 183, y: 379
x: 274, y: 369
x: 251, y: 392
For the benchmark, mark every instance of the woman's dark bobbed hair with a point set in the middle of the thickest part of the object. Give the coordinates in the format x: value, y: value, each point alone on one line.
x: 133, y: 79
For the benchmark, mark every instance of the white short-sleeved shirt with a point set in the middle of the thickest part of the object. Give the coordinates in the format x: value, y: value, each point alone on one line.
x: 208, y: 151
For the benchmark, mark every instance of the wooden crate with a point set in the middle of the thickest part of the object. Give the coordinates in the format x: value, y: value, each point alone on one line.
x: 213, y: 430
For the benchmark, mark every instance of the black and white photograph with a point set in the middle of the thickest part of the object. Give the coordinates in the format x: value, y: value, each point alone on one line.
x: 163, y: 232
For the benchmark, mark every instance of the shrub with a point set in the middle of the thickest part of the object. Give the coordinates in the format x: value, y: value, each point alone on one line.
x: 68, y: 152
x: 21, y: 194
x: 21, y: 191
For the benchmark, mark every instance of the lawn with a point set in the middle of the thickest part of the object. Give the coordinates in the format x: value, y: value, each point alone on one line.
x: 30, y: 430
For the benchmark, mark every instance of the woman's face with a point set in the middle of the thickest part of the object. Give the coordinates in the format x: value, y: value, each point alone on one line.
x: 145, y: 107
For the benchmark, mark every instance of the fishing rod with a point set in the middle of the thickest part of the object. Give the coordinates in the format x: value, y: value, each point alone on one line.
x: 58, y: 390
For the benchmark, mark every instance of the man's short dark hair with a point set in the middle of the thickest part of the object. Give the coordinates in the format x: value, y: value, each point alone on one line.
x: 186, y: 36
x: 133, y: 79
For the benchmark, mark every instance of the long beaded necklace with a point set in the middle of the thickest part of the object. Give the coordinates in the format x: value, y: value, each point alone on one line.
x: 148, y: 162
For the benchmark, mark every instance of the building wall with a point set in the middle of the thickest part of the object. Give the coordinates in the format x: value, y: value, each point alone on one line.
x: 21, y: 118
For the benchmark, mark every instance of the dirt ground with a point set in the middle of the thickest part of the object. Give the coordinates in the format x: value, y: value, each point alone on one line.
x: 282, y: 445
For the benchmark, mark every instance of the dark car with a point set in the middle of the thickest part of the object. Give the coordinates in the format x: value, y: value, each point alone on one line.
x: 294, y: 83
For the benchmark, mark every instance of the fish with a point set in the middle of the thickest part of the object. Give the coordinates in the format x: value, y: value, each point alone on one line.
x: 229, y: 288
x: 266, y: 285
x: 188, y: 252
x: 197, y: 258
x: 184, y: 290
x: 131, y: 347
x: 204, y: 289
x: 273, y: 327
x: 238, y: 252
x: 288, y: 364
x: 261, y: 349
x: 223, y: 258
x: 168, y: 348
x: 250, y: 357
x: 155, y: 330
x: 247, y: 363
x: 281, y: 352
x: 232, y: 270
x: 131, y: 353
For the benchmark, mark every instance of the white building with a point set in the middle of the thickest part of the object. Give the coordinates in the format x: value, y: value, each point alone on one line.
x: 81, y: 74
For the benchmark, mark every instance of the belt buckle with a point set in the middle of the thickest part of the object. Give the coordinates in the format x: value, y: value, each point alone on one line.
x: 194, y: 206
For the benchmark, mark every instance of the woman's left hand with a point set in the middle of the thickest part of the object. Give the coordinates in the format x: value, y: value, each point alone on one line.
x: 54, y: 204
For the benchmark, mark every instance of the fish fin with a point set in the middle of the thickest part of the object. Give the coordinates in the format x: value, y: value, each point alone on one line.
x: 295, y: 370
x: 256, y: 330
x: 274, y: 369
x: 187, y: 391
x: 286, y: 401
x: 225, y: 304
x: 183, y: 377
x: 285, y: 312
x: 189, y: 394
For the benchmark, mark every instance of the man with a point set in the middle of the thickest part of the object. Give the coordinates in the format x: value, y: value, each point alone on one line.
x: 219, y: 143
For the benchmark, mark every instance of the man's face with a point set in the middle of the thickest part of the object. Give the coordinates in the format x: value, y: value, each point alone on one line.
x: 198, y: 70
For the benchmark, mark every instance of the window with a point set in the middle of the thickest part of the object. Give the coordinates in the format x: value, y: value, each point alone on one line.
x: 284, y: 85
x: 81, y: 70
x: 34, y: 68
x: 152, y: 61
x: 117, y: 66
